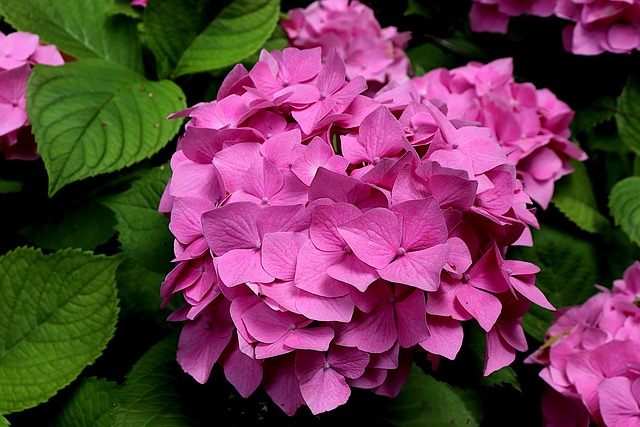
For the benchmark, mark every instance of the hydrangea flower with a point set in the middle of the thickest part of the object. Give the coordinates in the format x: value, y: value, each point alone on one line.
x: 531, y: 125
x: 307, y: 215
x: 596, y: 26
x: 19, y: 52
x: 591, y: 360
x: 367, y: 49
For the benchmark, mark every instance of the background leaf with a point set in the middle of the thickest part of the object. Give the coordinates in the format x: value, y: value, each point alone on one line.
x: 83, y: 130
x: 82, y: 28
x: 239, y: 30
x: 86, y: 225
x: 568, y: 273
x: 90, y: 405
x: 574, y: 197
x: 149, y: 397
x: 624, y: 203
x: 62, y: 309
x: 628, y: 117
x: 144, y: 235
x: 424, y: 401
x: 10, y: 186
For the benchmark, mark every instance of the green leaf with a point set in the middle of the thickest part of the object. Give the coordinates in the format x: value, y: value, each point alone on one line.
x: 10, y: 186
x: 149, y: 396
x: 239, y: 30
x: 574, y: 197
x: 429, y: 56
x: 90, y: 405
x: 600, y: 111
x: 424, y: 401
x: 84, y: 29
x: 415, y: 7
x: 139, y: 293
x: 4, y: 422
x: 624, y: 202
x: 91, y: 117
x: 568, y: 273
x: 85, y: 225
x: 628, y: 115
x: 144, y: 233
x: 62, y: 309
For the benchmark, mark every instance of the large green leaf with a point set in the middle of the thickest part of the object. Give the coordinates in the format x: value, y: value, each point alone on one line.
x: 83, y: 28
x: 426, y: 402
x: 143, y: 231
x: 628, y: 115
x: 149, y: 396
x: 4, y: 422
x: 91, y: 117
x: 61, y: 311
x: 574, y: 197
x: 624, y: 202
x: 240, y: 29
x: 85, y: 225
x: 90, y: 405
x: 568, y: 273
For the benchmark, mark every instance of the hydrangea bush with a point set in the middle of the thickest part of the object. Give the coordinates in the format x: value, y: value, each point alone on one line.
x: 256, y: 212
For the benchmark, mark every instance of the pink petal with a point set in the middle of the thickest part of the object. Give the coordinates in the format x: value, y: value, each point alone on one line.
x: 618, y: 405
x: 325, y: 220
x: 354, y: 272
x: 242, y: 371
x: 420, y: 269
x: 423, y: 224
x: 231, y: 227
x: 279, y: 253
x: 411, y: 319
x: 445, y: 336
x: 324, y: 390
x: 498, y: 353
x: 484, y: 307
x: 371, y: 332
x: 311, y: 272
x: 374, y: 236
x: 281, y: 384
x: 242, y: 265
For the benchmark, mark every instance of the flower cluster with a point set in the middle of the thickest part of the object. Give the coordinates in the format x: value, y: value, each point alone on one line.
x: 531, y: 125
x: 591, y: 359
x: 323, y: 236
x: 19, y: 52
x: 596, y: 26
x: 368, y: 50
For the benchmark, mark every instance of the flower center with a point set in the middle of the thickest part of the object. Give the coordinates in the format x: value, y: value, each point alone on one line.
x: 465, y: 277
x: 401, y: 251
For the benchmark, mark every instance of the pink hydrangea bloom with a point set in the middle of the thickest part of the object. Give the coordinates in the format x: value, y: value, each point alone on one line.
x: 19, y: 52
x: 596, y: 26
x: 367, y: 49
x: 493, y: 15
x: 591, y: 359
x: 141, y: 3
x: 531, y: 125
x: 306, y: 215
x: 599, y: 26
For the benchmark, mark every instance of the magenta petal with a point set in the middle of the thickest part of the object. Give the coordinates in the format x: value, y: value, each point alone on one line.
x: 411, y: 320
x: 325, y: 220
x: 498, y: 353
x: 338, y: 309
x: 420, y: 269
x: 311, y: 272
x: 201, y: 344
x: 618, y: 405
x: 354, y: 272
x: 267, y: 325
x: 241, y: 266
x: 232, y: 226
x: 317, y: 338
x: 325, y: 390
x: 244, y: 372
x: 445, y: 336
x: 279, y: 253
x: 348, y: 361
x: 381, y: 134
x: 374, y: 236
x: 484, y: 307
x: 372, y: 332
x: 281, y: 384
x: 423, y: 224
x: 263, y: 180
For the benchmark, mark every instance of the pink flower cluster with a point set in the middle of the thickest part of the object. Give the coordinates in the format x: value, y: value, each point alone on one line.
x: 531, y: 125
x: 323, y: 236
x: 592, y: 359
x: 350, y: 28
x: 19, y: 52
x: 597, y: 25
